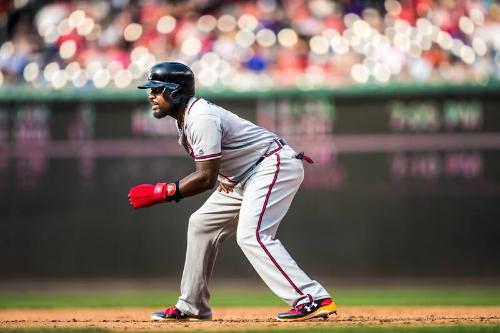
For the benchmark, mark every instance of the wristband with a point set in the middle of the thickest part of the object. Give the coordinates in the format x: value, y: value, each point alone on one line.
x: 173, y: 192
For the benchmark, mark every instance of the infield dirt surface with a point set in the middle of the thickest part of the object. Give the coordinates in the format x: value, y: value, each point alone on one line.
x: 239, y: 318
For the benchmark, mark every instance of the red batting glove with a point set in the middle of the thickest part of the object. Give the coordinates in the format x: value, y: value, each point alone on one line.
x: 146, y: 195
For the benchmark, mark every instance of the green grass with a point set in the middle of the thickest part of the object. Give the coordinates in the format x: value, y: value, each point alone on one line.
x: 254, y: 297
x: 426, y: 329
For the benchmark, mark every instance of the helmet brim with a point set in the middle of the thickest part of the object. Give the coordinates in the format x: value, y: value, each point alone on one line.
x: 158, y: 84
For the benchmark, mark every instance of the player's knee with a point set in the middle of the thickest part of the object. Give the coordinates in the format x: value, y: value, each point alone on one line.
x: 246, y: 240
x: 196, y: 222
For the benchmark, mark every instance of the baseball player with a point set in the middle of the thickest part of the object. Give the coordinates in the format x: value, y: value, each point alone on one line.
x: 258, y: 175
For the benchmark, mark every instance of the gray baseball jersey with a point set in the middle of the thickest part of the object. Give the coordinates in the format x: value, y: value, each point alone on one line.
x: 210, y: 132
x: 254, y: 209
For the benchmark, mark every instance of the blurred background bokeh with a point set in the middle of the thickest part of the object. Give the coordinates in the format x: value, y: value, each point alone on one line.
x: 398, y: 103
x: 246, y: 45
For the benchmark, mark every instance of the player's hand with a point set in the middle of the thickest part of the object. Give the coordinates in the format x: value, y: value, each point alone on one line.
x: 225, y: 188
x: 146, y: 195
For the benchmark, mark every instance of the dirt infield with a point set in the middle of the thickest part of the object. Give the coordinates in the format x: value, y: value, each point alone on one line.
x: 244, y: 318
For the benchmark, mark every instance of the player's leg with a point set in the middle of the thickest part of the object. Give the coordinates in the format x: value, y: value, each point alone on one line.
x: 208, y: 227
x: 267, y: 197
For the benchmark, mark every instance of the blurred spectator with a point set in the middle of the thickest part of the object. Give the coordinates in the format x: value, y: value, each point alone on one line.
x: 250, y: 44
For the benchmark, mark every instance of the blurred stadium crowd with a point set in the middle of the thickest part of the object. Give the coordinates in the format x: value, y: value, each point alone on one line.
x: 250, y: 44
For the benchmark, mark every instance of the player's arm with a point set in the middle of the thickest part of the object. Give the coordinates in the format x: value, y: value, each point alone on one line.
x: 205, y: 136
x: 203, y: 179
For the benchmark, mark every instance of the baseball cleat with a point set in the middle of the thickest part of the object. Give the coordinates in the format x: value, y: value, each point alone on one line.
x: 315, y: 309
x: 172, y: 313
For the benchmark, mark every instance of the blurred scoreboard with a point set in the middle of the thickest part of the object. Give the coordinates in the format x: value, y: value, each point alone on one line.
x: 352, y: 139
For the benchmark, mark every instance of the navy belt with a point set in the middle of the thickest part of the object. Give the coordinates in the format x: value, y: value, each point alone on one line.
x: 280, y: 142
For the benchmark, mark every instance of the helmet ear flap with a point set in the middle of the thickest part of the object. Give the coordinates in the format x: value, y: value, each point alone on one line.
x: 175, y: 96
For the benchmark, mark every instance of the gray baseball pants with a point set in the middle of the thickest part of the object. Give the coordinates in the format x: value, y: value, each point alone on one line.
x: 253, y: 211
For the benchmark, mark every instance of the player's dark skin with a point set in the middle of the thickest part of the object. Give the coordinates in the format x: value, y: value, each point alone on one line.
x: 204, y: 177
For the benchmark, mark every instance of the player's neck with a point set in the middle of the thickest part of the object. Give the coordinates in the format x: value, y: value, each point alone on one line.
x: 178, y: 113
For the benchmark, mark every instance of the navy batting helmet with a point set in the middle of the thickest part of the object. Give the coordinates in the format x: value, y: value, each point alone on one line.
x: 175, y: 78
